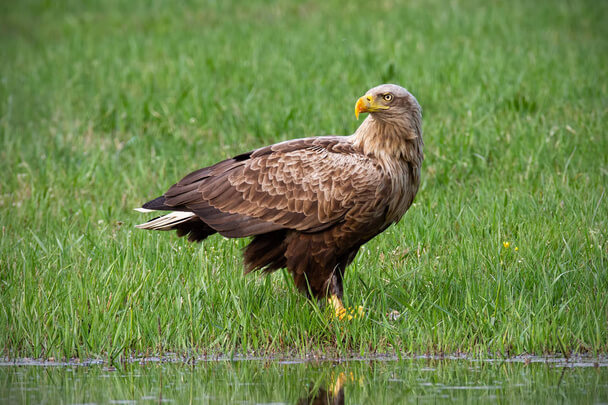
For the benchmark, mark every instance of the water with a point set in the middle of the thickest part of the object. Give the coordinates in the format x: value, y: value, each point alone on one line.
x: 292, y: 382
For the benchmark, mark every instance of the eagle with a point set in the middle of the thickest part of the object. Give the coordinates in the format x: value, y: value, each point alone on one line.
x: 308, y: 204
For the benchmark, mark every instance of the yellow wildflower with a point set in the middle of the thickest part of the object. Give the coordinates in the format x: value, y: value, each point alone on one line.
x: 506, y: 244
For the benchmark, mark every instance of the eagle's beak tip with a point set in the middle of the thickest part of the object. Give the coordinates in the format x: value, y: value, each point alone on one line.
x: 360, y: 107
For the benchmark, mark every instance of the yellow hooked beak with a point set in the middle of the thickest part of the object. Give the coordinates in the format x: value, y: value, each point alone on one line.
x: 367, y: 104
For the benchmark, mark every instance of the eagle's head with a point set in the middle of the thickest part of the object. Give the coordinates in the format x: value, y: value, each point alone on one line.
x: 388, y: 102
x: 393, y: 128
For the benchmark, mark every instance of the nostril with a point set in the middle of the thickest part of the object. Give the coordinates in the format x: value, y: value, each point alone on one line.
x: 369, y: 98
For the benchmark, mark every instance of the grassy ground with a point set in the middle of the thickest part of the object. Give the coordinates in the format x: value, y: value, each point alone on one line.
x: 105, y: 105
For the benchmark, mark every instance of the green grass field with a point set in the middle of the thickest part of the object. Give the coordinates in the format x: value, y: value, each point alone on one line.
x: 105, y: 105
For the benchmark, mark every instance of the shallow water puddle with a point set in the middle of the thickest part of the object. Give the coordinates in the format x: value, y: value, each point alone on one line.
x: 302, y: 382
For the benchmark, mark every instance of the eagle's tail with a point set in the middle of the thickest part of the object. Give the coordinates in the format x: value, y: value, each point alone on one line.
x: 185, y: 223
x: 165, y: 222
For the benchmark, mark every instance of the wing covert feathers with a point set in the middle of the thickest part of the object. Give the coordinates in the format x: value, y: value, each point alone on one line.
x: 307, y: 185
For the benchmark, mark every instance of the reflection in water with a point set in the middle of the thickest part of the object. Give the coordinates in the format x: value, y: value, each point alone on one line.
x: 334, y: 396
x: 251, y: 382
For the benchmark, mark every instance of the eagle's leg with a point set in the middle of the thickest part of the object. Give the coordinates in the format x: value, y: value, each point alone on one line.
x: 335, y: 298
x: 335, y: 292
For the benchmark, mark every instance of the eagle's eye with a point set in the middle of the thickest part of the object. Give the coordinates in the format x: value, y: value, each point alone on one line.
x: 388, y: 97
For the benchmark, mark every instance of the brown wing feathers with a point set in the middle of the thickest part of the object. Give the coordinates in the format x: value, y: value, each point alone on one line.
x: 271, y: 189
x: 195, y: 229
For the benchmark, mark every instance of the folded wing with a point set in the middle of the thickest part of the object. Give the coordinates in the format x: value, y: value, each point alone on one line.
x: 306, y: 185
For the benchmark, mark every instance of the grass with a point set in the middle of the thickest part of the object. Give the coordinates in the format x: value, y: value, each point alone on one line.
x: 103, y: 105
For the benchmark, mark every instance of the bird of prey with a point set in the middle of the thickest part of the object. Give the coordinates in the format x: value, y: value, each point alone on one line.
x: 309, y: 204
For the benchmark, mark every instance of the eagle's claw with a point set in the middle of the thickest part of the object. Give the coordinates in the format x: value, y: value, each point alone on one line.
x: 342, y: 313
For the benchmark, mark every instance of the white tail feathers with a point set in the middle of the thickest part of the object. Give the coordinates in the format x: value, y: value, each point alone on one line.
x: 144, y: 210
x: 166, y: 222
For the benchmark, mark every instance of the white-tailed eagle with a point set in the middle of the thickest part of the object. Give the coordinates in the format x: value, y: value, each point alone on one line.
x: 308, y: 204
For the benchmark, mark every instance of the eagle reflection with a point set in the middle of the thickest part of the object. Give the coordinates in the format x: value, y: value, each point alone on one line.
x: 334, y: 395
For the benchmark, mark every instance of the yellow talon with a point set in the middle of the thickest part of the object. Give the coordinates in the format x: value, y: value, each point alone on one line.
x: 337, y: 306
x: 340, y: 312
